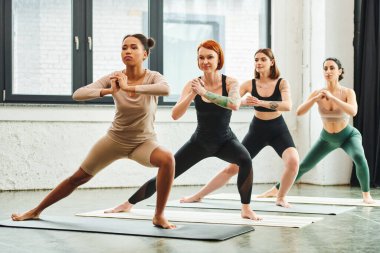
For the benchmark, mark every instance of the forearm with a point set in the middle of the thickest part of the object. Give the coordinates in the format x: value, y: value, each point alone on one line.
x: 157, y: 89
x: 181, y: 107
x: 346, y: 107
x: 85, y: 93
x: 276, y: 105
x: 93, y: 90
x: 231, y: 103
x: 305, y: 107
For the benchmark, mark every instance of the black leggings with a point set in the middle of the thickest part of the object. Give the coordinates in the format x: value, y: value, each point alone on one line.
x: 262, y: 133
x: 194, y: 151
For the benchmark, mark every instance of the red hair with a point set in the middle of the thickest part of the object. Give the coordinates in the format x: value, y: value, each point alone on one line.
x: 214, y: 46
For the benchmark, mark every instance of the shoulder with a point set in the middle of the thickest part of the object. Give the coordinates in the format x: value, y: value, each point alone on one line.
x: 153, y: 73
x: 348, y: 90
x: 283, y: 84
x: 231, y: 81
x: 246, y: 86
x: 154, y: 76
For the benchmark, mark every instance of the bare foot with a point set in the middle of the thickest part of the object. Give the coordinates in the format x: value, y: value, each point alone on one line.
x: 282, y: 202
x: 247, y: 213
x: 190, y: 199
x: 125, y: 207
x: 162, y: 222
x: 30, y: 215
x: 367, y: 198
x: 271, y: 193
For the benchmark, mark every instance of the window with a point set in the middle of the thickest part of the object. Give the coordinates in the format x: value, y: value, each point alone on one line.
x: 50, y: 48
x: 112, y: 20
x: 41, y: 45
x: 236, y: 24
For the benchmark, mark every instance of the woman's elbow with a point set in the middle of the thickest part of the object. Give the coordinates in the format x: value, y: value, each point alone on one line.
x: 289, y: 107
x: 175, y: 115
x: 76, y: 96
x: 299, y: 112
x: 166, y: 91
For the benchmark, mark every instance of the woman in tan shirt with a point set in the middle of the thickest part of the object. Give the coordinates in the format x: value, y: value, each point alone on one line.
x: 135, y: 91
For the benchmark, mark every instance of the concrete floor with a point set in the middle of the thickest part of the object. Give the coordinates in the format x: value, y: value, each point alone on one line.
x: 354, y: 231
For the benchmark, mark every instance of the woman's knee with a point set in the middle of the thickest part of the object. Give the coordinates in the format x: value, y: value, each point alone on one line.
x: 292, y: 164
x: 231, y: 170
x: 166, y: 160
x: 80, y: 177
x: 161, y: 157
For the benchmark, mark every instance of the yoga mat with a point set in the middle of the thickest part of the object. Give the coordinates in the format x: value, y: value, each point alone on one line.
x: 300, y: 199
x: 214, y: 232
x: 209, y: 217
x: 263, y: 206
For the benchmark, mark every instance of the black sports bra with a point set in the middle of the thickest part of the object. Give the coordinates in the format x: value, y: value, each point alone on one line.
x: 276, y: 96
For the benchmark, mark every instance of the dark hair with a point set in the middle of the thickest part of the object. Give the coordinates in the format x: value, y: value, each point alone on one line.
x: 337, y: 63
x: 274, y: 71
x: 215, y: 46
x: 148, y: 43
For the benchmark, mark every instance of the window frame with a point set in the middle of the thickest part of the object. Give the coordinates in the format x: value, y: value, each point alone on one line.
x: 2, y: 50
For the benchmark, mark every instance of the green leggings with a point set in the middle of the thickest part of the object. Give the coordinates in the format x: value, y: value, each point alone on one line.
x: 350, y: 140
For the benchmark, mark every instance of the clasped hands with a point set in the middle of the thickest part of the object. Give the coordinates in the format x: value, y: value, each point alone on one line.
x: 198, y: 87
x: 323, y: 94
x: 250, y: 100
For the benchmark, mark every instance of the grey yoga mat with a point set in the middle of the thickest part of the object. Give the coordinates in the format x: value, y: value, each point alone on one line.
x: 209, y: 232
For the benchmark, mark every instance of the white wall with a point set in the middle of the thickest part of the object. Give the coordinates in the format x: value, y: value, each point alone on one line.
x: 307, y: 33
x: 42, y: 144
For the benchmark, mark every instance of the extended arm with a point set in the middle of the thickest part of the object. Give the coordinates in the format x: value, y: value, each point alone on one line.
x: 312, y: 99
x: 97, y: 89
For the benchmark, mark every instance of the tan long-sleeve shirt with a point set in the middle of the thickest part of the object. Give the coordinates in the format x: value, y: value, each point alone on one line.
x: 134, y: 116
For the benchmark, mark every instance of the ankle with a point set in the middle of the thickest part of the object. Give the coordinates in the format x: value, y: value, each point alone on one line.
x: 366, y: 194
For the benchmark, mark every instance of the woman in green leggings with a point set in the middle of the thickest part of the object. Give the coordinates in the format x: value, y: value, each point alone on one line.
x: 336, y: 104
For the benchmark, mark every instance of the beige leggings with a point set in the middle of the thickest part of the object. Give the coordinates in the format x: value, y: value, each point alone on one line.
x: 106, y: 151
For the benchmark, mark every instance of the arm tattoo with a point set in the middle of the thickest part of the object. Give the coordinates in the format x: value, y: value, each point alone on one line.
x: 222, y: 101
x: 217, y: 99
x: 273, y: 105
x: 234, y: 95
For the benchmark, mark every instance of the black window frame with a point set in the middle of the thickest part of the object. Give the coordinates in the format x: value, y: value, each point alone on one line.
x: 2, y: 50
x: 83, y: 58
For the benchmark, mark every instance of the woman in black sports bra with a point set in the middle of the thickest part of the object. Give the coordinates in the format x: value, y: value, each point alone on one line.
x: 215, y: 96
x: 270, y: 96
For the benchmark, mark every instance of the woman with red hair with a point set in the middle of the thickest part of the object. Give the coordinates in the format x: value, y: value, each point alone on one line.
x: 270, y: 96
x: 215, y: 96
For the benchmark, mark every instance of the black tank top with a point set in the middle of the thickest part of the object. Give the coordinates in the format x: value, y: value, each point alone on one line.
x: 276, y: 96
x: 213, y: 120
